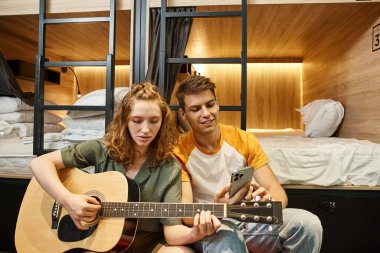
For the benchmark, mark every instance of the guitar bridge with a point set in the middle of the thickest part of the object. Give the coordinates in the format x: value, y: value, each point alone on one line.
x: 55, y: 213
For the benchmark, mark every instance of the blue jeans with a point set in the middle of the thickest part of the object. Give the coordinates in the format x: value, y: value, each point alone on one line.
x: 301, y: 232
x: 228, y: 239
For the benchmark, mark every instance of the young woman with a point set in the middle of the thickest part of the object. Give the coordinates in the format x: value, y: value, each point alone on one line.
x: 139, y: 144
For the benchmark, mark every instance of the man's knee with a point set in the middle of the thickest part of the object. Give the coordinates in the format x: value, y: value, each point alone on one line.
x: 305, y: 222
x: 228, y: 238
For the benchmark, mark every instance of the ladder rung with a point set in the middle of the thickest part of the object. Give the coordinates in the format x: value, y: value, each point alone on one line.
x: 75, y: 63
x: 230, y: 107
x: 204, y: 14
x: 222, y: 107
x: 44, y: 151
x: 71, y: 107
x: 202, y: 60
x: 75, y: 20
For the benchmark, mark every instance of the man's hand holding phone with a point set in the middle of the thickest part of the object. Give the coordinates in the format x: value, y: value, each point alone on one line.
x: 241, y: 188
x: 237, y: 188
x: 257, y: 192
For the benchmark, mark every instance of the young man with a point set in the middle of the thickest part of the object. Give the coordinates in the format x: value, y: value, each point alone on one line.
x: 211, y: 151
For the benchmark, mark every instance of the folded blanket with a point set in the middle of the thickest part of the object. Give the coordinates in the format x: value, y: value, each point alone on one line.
x: 28, y: 117
x: 5, y: 128
x: 79, y: 135
x: 89, y: 123
x: 48, y: 137
x: 26, y: 129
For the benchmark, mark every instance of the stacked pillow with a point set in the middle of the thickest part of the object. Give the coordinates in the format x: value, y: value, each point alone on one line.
x: 322, y: 117
x: 21, y: 117
x: 93, y: 120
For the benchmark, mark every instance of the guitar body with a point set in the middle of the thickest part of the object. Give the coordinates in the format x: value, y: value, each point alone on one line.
x: 44, y: 226
x: 34, y: 232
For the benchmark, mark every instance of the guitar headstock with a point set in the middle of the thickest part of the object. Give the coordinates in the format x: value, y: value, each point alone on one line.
x: 269, y: 212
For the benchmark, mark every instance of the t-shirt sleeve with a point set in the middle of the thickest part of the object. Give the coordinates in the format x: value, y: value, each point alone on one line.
x: 82, y: 155
x: 256, y: 156
x: 185, y: 175
x: 173, y: 195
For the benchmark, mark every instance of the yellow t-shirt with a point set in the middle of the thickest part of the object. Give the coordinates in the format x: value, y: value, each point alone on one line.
x: 209, y: 172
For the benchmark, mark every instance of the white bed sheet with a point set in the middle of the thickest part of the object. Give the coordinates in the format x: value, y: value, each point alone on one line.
x: 325, y: 161
x: 16, y: 153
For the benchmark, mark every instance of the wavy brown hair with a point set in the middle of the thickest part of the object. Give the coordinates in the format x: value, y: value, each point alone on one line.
x: 118, y: 138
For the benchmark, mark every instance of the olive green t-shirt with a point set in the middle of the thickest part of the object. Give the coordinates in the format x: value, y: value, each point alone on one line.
x: 156, y: 184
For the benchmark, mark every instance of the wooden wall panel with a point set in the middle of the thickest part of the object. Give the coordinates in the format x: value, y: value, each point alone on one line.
x: 274, y: 91
x: 74, y: 42
x: 63, y: 94
x: 90, y: 79
x: 93, y: 78
x: 343, y: 67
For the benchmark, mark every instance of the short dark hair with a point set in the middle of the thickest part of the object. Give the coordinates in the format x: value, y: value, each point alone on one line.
x: 193, y: 85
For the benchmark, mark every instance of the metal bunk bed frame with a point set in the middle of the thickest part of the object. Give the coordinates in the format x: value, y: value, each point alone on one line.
x: 242, y: 60
x: 42, y: 63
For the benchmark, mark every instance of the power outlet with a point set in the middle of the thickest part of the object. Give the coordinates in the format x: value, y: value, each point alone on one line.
x: 376, y: 37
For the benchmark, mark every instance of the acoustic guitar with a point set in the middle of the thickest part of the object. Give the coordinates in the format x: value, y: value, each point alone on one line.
x: 44, y: 226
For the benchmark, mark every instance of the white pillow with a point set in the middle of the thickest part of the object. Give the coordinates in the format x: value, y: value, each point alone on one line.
x: 10, y: 104
x: 89, y: 123
x: 322, y: 117
x: 97, y: 98
x: 28, y: 117
x: 26, y: 129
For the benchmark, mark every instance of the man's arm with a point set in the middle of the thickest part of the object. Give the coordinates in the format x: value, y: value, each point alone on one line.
x: 266, y: 179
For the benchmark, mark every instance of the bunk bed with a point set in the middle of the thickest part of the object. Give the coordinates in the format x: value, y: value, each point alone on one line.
x: 334, y: 202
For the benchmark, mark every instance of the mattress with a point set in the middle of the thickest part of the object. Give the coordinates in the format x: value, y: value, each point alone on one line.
x: 16, y: 152
x: 325, y: 161
x: 258, y: 132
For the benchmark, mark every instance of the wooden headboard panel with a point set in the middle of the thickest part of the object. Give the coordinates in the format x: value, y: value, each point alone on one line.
x: 342, y: 66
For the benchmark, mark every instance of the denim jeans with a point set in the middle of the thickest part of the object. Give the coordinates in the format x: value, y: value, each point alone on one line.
x: 228, y: 239
x: 301, y: 232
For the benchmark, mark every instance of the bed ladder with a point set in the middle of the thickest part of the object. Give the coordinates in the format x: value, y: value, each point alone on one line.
x: 242, y: 60
x: 42, y: 63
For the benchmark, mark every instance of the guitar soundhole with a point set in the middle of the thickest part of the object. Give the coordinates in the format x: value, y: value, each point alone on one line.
x: 68, y: 232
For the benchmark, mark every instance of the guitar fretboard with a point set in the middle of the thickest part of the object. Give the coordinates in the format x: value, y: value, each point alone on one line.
x: 159, y: 210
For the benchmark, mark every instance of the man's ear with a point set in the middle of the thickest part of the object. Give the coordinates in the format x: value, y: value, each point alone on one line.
x: 182, y: 112
x: 184, y: 124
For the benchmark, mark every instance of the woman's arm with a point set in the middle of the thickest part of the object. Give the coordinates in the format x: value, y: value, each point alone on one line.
x: 196, y: 228
x: 80, y: 207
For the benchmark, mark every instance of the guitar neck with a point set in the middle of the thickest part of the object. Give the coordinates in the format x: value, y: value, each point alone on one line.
x: 159, y: 210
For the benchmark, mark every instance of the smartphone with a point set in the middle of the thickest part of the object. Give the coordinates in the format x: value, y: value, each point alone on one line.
x: 240, y: 178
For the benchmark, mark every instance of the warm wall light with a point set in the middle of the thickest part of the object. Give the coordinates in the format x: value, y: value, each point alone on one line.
x: 64, y: 70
